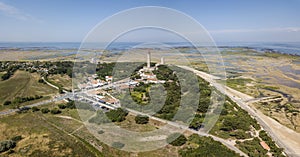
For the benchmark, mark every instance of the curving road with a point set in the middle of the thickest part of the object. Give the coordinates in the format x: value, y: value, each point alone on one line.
x: 286, y: 138
x: 179, y: 126
x: 278, y: 132
x: 61, y: 97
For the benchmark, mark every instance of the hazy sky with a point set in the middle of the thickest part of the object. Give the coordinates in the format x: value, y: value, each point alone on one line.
x: 226, y: 20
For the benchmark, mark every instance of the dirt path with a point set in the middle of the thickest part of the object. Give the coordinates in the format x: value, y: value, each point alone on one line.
x: 291, y: 138
x: 283, y: 136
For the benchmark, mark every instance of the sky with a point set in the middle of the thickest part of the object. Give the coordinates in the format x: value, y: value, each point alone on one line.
x: 225, y: 21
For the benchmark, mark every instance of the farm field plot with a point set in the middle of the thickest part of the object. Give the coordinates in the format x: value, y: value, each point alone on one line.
x: 23, y: 84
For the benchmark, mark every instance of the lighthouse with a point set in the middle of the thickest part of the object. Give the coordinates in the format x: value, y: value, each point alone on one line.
x: 148, y: 59
x: 162, y: 61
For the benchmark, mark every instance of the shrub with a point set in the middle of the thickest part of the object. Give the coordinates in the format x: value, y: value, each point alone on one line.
x: 118, y: 145
x: 62, y: 106
x: 7, y: 103
x: 41, y: 81
x: 71, y: 105
x: 34, y: 109
x: 55, y: 111
x: 6, y: 145
x: 117, y: 115
x: 240, y: 134
x: 60, y: 91
x: 6, y: 76
x: 252, y: 147
x: 45, y: 110
x: 17, y: 138
x: 100, y: 132
x: 206, y: 146
x: 176, y: 139
x: 140, y: 119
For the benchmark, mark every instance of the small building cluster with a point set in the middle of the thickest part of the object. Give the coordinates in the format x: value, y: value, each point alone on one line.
x: 147, y: 74
x: 97, y: 90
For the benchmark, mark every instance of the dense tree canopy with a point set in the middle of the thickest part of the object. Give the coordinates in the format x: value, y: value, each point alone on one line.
x: 140, y: 119
x: 6, y: 145
x: 206, y: 146
x: 176, y: 139
x: 117, y: 115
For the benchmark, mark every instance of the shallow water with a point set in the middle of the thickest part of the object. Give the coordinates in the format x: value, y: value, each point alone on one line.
x: 287, y: 82
x: 288, y: 69
x: 293, y: 76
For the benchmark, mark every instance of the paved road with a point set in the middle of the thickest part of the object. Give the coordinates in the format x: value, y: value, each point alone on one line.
x: 291, y: 147
x: 177, y: 125
x: 52, y: 85
x: 61, y: 97
x: 229, y: 92
x: 184, y: 127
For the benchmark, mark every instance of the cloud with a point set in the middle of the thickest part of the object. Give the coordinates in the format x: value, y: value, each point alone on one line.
x: 283, y: 29
x: 11, y: 11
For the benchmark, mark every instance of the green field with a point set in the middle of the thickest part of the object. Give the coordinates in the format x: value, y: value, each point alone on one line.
x: 58, y: 135
x: 65, y: 135
x: 63, y: 81
x: 23, y: 84
x: 42, y: 138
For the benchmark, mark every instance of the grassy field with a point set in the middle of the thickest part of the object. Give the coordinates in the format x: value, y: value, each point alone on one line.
x: 1, y: 74
x: 129, y: 124
x: 64, y: 135
x: 41, y: 138
x: 62, y: 80
x: 23, y: 84
x: 244, y: 85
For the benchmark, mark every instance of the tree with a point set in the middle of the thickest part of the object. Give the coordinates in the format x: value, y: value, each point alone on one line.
x: 100, y: 132
x: 60, y: 91
x: 34, y: 109
x: 41, y: 81
x: 71, y: 104
x: 55, y: 111
x: 140, y: 119
x: 118, y: 145
x: 6, y: 145
x: 176, y: 139
x: 117, y: 115
x: 233, y: 123
x: 196, y: 123
x: 17, y: 138
x: 7, y: 103
x: 206, y: 146
x: 45, y: 110
x: 62, y: 106
x: 6, y: 76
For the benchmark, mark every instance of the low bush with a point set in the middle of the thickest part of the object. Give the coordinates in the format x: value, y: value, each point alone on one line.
x: 35, y: 109
x: 55, y: 111
x: 100, y: 132
x: 118, y: 145
x: 62, y: 106
x: 176, y: 139
x: 140, y: 119
x: 17, y: 138
x: 45, y: 110
x: 7, y: 103
x: 7, y: 145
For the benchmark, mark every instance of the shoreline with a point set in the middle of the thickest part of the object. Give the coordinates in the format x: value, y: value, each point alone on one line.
x: 284, y: 48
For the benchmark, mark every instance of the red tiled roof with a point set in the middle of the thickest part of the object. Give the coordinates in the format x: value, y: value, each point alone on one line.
x: 264, y: 145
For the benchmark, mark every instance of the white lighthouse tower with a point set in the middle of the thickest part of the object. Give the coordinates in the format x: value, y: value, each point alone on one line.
x: 162, y: 61
x: 148, y: 60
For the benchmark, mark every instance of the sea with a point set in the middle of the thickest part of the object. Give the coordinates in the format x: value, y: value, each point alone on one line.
x: 292, y: 48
